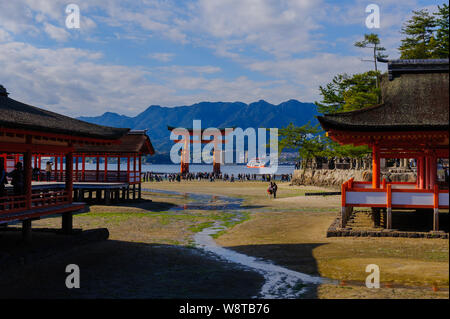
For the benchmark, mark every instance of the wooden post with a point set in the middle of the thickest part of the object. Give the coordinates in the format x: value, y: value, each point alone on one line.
x: 106, y: 169
x: 98, y: 168
x: 118, y: 168
x: 343, y: 205
x: 83, y: 167
x: 67, y: 223
x: 433, y: 171
x: 375, y: 166
x: 26, y: 230
x: 128, y: 168
x: 389, y: 207
x: 69, y: 176
x: 27, y: 174
x: 436, y: 208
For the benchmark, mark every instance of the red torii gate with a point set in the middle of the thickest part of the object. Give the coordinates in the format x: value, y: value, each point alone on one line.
x: 184, y: 164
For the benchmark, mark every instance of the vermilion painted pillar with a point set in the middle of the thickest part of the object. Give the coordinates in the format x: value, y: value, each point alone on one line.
x: 106, y: 169
x: 98, y: 168
x: 118, y: 168
x: 427, y: 172
x: 27, y: 174
x: 422, y: 173
x: 83, y: 168
x: 375, y: 166
x: 433, y: 171
x: 128, y: 168
x: 69, y: 176
x: 417, y: 172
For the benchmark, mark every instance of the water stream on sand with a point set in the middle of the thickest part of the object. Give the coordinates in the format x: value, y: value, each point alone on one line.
x: 280, y: 282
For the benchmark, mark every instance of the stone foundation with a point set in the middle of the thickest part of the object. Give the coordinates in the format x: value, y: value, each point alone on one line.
x: 336, y: 177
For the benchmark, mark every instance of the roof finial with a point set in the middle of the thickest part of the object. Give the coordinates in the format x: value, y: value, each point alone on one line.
x: 3, y: 91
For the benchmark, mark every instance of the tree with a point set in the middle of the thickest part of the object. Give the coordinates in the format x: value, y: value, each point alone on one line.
x: 441, y: 49
x: 420, y: 40
x: 304, y: 139
x: 348, y: 93
x: 372, y: 41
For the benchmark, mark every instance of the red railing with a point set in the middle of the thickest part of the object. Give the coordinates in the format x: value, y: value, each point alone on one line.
x: 93, y: 176
x: 39, y: 199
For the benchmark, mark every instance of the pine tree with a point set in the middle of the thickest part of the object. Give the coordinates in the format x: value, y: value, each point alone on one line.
x: 441, y: 50
x: 420, y: 40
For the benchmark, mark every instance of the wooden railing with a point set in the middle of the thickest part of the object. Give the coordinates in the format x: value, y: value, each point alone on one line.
x: 393, y: 195
x: 39, y: 199
x: 94, y: 176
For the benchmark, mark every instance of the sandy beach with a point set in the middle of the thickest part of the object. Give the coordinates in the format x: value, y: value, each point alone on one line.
x: 151, y: 251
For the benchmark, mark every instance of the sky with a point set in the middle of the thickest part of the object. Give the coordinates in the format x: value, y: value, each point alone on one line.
x: 127, y: 55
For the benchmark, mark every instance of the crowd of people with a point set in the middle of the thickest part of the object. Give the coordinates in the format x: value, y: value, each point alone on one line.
x: 210, y: 176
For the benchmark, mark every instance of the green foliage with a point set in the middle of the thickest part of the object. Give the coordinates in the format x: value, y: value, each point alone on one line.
x: 304, y: 139
x: 426, y: 35
x: 372, y: 41
x: 441, y: 49
x: 348, y: 93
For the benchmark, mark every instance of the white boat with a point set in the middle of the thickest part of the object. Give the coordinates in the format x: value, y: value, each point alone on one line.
x: 256, y: 163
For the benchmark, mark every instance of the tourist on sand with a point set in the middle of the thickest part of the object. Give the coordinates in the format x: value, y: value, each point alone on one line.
x: 274, y: 189
x: 270, y: 190
x: 48, y: 170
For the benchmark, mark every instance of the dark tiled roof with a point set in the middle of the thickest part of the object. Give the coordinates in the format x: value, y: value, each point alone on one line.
x: 17, y: 115
x: 133, y: 142
x: 411, y: 101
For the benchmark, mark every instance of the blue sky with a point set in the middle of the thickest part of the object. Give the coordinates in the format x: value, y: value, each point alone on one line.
x: 130, y: 54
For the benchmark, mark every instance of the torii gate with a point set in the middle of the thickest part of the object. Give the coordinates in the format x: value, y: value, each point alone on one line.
x: 184, y: 164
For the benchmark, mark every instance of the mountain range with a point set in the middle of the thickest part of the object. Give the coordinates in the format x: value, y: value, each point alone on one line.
x: 212, y: 114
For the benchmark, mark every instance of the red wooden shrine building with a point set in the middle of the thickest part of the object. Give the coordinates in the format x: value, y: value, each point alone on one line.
x: 28, y: 133
x: 411, y: 122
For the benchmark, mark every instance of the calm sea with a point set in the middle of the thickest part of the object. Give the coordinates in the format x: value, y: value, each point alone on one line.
x: 195, y: 168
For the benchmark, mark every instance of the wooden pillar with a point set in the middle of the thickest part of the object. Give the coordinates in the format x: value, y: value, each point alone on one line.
x: 389, y: 206
x: 128, y: 168
x: 427, y: 172
x: 26, y: 230
x: 375, y: 166
x: 75, y: 159
x: 83, y: 167
x: 118, y: 168
x: 27, y: 174
x: 436, y: 208
x: 69, y: 176
x: 433, y: 171
x: 422, y: 173
x: 61, y: 168
x: 56, y: 168
x: 106, y: 169
x: 67, y: 223
x: 98, y: 168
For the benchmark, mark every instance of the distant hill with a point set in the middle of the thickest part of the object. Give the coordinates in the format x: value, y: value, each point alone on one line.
x: 212, y: 114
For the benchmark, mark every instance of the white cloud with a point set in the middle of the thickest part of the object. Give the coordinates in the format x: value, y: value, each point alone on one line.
x: 75, y: 82
x: 161, y: 56
x: 56, y: 33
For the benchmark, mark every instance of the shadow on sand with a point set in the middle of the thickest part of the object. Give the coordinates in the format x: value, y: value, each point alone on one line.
x: 118, y: 269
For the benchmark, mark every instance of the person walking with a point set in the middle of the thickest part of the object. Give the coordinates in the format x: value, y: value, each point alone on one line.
x: 274, y: 189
